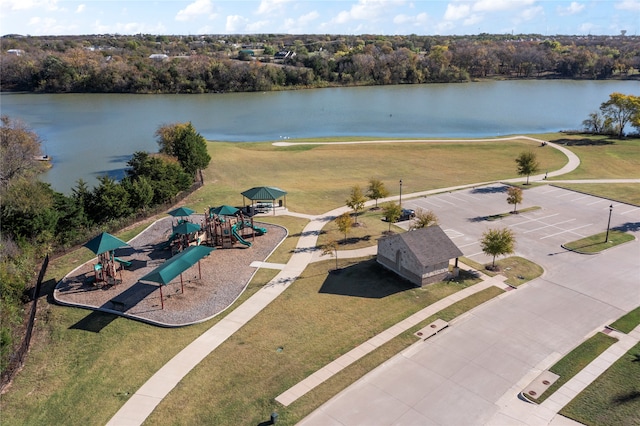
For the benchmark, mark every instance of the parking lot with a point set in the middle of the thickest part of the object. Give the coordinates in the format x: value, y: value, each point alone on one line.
x: 472, y: 369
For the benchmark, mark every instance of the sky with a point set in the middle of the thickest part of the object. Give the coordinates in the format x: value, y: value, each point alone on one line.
x: 348, y: 17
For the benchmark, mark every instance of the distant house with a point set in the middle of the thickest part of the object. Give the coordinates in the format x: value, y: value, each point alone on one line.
x: 421, y: 256
x: 16, y: 52
x: 284, y: 54
x: 158, y: 57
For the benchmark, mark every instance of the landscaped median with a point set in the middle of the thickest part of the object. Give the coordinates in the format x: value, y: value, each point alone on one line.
x: 599, y: 242
x: 518, y: 270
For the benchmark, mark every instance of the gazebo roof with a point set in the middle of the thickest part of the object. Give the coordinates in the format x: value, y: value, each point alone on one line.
x: 261, y: 193
x: 430, y: 245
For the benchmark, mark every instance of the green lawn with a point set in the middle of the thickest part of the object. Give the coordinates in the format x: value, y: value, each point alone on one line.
x: 613, y: 398
x: 576, y: 360
x: 621, y: 192
x: 627, y: 322
x: 319, y: 178
x: 518, y: 270
x: 596, y: 243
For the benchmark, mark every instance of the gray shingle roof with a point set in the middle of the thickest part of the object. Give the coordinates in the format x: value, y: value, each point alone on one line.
x: 430, y: 245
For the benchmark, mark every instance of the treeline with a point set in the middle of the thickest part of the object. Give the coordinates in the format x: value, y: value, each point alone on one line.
x: 177, y: 64
x: 37, y: 220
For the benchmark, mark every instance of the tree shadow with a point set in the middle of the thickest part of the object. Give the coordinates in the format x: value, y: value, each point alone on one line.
x: 477, y: 219
x: 490, y: 190
x: 115, y: 174
x: 353, y: 240
x: 583, y: 142
x: 626, y: 397
x: 94, y: 322
x: 309, y: 233
x: 365, y: 279
x: 628, y: 227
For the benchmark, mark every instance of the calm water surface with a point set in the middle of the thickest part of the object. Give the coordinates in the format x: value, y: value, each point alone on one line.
x: 89, y: 135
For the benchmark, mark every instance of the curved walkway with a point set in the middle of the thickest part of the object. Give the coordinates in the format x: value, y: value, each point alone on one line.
x: 145, y: 400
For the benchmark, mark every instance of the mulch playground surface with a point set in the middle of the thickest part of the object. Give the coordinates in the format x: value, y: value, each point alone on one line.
x: 225, y: 274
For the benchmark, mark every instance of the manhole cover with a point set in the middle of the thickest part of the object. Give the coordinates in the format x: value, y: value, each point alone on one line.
x: 419, y: 333
x: 433, y: 326
x: 533, y: 393
x: 546, y: 382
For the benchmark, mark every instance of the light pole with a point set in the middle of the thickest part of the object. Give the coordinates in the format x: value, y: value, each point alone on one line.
x: 400, y: 193
x: 606, y: 238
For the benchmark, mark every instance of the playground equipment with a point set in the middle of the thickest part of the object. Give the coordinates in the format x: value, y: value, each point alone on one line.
x: 224, y: 226
x: 104, y: 246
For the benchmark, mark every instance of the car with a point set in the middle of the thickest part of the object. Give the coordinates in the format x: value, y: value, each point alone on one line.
x: 407, y: 214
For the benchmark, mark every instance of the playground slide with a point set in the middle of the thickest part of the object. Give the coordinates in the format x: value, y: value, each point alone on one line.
x: 237, y: 236
x: 122, y: 261
x: 259, y: 231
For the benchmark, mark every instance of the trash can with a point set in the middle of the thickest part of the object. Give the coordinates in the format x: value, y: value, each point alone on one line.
x: 274, y: 418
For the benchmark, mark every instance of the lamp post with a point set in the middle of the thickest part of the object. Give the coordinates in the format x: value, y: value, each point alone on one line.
x: 401, y: 193
x: 606, y: 238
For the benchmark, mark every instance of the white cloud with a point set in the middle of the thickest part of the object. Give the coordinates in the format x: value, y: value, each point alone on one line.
x: 301, y: 24
x: 367, y: 10
x: 587, y: 28
x: 497, y: 5
x: 455, y: 13
x: 128, y: 28
x: 197, y: 9
x: 235, y: 23
x: 531, y: 13
x: 271, y: 6
x: 472, y: 20
x: 418, y: 19
x: 572, y: 9
x: 628, y: 5
x: 256, y: 26
x: 80, y: 8
x: 29, y: 4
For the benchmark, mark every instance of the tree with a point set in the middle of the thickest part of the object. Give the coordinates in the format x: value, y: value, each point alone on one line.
x: 392, y: 212
x: 183, y: 142
x: 527, y: 164
x: 514, y: 196
x: 19, y: 148
x: 498, y: 242
x: 344, y: 224
x: 376, y: 190
x: 356, y: 201
x: 332, y: 249
x: 424, y: 219
x: 621, y: 109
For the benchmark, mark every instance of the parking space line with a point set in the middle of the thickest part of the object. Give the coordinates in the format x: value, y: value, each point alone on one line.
x: 535, y: 219
x: 473, y: 197
x: 445, y: 201
x: 552, y: 190
x: 456, y: 198
x: 431, y: 202
x: 580, y: 198
x: 474, y: 254
x: 548, y: 226
x: 596, y: 202
x: 470, y: 244
x: 566, y: 195
x: 567, y: 230
x: 632, y: 210
x: 452, y: 233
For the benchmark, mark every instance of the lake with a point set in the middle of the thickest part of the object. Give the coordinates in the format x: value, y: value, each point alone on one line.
x: 89, y: 135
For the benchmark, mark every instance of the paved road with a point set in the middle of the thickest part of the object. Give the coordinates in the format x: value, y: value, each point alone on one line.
x: 472, y: 370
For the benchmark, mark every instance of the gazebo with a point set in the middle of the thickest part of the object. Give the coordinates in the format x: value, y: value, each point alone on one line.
x: 265, y: 193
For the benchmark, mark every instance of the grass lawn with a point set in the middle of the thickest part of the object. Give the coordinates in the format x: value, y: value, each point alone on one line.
x: 369, y: 229
x: 494, y: 217
x: 627, y: 322
x: 596, y: 243
x: 572, y: 363
x: 600, y: 157
x: 319, y: 178
x: 621, y: 192
x: 518, y: 270
x: 320, y: 317
x: 613, y: 398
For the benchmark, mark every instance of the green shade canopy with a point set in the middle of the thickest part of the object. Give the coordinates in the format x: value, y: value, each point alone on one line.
x: 104, y: 242
x: 263, y: 193
x: 224, y: 210
x: 186, y: 228
x: 175, y: 266
x: 181, y: 212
